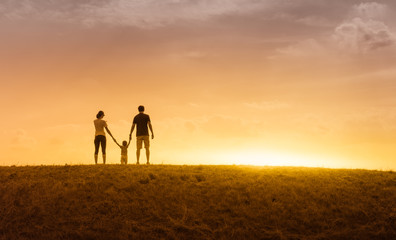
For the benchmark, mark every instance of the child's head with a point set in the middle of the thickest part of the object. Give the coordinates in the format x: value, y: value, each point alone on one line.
x: 124, y: 143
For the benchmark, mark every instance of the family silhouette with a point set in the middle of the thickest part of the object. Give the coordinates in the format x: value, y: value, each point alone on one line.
x: 142, y: 124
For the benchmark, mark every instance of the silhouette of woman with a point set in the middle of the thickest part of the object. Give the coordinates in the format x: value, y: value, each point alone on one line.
x: 100, y: 135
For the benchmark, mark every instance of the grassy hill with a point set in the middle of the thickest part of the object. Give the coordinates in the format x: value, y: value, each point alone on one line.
x: 195, y: 202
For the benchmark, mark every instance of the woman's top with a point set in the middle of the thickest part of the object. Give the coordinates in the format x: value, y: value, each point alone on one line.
x: 99, y: 127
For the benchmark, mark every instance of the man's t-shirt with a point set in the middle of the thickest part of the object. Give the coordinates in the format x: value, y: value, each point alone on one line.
x: 141, y: 120
x: 99, y: 127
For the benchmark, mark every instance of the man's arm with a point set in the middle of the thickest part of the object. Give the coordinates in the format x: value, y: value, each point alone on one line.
x: 151, y: 129
x: 132, y: 128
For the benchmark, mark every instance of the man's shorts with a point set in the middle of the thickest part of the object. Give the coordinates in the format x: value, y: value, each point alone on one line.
x: 140, y: 140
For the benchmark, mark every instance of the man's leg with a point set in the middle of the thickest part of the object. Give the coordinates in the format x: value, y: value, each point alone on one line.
x: 147, y: 147
x: 137, y: 155
x: 148, y: 155
x: 139, y: 144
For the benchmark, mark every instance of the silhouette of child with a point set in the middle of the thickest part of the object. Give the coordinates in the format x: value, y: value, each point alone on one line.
x: 124, y: 151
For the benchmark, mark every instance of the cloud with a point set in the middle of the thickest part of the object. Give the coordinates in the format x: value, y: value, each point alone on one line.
x: 268, y: 105
x: 314, y: 21
x: 369, y: 128
x: 22, y: 139
x: 308, y: 47
x: 361, y: 35
x: 138, y: 13
x: 370, y: 10
x: 223, y: 127
x: 365, y: 31
x: 17, y: 10
x: 184, y: 56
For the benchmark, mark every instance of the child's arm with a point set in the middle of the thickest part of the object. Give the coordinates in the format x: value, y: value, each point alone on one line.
x: 128, y: 143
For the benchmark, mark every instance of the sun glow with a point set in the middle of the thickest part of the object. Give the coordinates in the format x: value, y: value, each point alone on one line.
x: 270, y: 158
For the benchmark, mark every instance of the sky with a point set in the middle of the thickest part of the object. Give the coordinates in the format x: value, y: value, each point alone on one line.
x: 270, y: 82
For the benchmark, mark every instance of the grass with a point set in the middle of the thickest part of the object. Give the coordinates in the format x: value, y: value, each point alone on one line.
x: 195, y: 202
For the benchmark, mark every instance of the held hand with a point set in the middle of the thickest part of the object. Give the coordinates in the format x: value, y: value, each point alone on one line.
x: 152, y: 136
x: 130, y: 137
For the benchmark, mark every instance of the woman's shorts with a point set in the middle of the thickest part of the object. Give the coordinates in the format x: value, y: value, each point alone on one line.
x: 100, y: 140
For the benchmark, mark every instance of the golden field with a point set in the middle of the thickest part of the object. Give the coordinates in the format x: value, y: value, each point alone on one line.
x: 195, y: 202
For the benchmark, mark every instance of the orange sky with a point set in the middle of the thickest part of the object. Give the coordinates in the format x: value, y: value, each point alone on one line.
x: 275, y: 82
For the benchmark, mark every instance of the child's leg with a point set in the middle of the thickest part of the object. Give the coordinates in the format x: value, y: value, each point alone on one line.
x: 124, y: 159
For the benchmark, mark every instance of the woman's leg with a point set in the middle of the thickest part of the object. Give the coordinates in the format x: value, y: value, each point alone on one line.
x: 96, y: 142
x: 103, y: 144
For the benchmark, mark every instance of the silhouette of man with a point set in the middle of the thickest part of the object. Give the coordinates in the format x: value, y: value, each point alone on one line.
x: 142, y: 121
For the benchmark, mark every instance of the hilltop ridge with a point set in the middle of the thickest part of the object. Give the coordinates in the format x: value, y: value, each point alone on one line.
x: 195, y: 202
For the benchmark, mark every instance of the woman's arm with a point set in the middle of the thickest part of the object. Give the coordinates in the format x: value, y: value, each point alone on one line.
x: 111, y: 135
x: 116, y: 142
x: 108, y: 131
